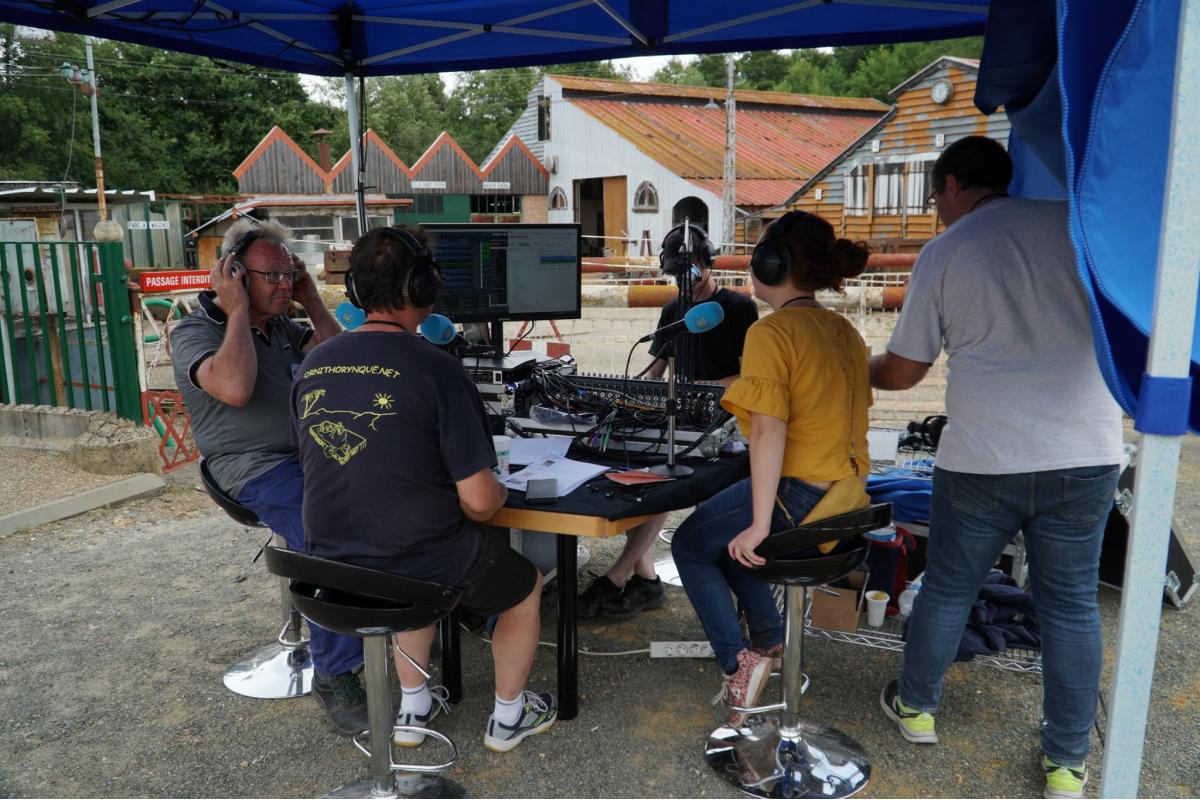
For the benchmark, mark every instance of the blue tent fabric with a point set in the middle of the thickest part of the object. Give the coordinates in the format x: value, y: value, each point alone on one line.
x: 1092, y: 125
x: 386, y: 37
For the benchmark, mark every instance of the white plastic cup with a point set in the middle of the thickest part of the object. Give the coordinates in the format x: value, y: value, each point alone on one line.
x: 876, y: 608
x: 905, y: 601
x: 503, y: 445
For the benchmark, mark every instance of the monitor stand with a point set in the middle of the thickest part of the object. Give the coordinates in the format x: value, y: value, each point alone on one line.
x: 497, y: 337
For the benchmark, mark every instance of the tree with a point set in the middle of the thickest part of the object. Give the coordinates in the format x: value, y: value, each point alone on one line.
x: 762, y: 69
x: 168, y: 121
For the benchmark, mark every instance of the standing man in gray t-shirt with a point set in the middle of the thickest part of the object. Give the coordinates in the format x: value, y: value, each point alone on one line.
x: 1032, y: 443
x: 235, y: 357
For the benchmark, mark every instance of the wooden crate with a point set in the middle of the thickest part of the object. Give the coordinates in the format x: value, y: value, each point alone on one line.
x: 337, y: 263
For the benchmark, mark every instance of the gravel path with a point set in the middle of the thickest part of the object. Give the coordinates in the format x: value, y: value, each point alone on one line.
x: 118, y: 624
x: 32, y: 477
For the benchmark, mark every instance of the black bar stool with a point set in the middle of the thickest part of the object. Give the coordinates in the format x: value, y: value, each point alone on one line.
x: 370, y: 604
x: 284, y: 667
x: 786, y: 756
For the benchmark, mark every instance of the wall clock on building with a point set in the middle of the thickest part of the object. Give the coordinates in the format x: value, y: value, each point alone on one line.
x: 941, y: 91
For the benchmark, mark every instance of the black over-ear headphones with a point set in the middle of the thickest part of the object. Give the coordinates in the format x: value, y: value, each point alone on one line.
x: 670, y: 255
x: 424, y: 275
x: 771, y: 261
x: 240, y: 246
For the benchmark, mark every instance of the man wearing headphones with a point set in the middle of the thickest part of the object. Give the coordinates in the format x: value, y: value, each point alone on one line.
x: 687, y: 255
x: 714, y: 355
x: 398, y: 475
x: 234, y: 358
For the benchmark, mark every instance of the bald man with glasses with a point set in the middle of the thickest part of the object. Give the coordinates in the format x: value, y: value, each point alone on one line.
x: 234, y: 358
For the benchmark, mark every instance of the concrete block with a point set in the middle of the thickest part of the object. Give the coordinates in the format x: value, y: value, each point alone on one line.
x: 113, y: 446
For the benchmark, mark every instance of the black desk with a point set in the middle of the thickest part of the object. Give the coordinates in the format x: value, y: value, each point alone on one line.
x: 589, y: 512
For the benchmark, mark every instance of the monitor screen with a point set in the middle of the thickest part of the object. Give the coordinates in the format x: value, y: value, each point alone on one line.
x: 503, y: 272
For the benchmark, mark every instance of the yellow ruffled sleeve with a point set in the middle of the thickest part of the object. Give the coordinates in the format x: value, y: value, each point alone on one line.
x: 764, y: 384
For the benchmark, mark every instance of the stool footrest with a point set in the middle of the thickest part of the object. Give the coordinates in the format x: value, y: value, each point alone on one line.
x: 359, y: 743
x: 290, y: 643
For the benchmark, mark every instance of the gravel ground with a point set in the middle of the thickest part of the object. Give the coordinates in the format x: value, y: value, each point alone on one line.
x: 31, y: 477
x: 118, y: 624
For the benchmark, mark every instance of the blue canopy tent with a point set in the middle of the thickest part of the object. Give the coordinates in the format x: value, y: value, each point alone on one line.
x: 1105, y: 105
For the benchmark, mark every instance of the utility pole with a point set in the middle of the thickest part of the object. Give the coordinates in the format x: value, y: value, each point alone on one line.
x: 730, y: 176
x: 105, y: 231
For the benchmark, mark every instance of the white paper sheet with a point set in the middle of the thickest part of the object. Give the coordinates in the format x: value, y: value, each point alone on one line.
x: 538, y: 448
x: 569, y: 474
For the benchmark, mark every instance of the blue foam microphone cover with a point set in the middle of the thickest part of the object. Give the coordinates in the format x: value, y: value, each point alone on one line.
x: 438, y: 329
x: 703, y: 317
x: 350, y: 315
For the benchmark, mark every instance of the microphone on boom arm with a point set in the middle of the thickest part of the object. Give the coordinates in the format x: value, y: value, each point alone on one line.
x: 699, y: 318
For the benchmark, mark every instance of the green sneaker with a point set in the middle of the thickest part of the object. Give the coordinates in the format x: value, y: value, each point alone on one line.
x: 1063, y: 781
x: 916, y: 726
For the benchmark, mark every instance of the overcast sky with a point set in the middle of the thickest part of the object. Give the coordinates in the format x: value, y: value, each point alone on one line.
x: 643, y: 68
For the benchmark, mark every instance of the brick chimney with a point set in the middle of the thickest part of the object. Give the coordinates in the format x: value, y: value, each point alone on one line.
x: 322, y: 148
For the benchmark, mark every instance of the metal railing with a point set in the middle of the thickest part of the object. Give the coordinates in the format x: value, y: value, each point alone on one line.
x: 66, y: 334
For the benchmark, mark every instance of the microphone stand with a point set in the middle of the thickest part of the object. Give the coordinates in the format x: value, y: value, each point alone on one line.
x: 684, y: 304
x: 671, y: 469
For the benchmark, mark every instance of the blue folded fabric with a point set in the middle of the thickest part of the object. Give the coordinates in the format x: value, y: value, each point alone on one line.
x: 909, y: 496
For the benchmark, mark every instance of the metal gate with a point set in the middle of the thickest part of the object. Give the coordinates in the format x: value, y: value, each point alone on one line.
x: 66, y: 331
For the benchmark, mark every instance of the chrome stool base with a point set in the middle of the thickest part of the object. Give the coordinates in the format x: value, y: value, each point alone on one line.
x: 272, y: 672
x: 819, y: 762
x: 405, y: 786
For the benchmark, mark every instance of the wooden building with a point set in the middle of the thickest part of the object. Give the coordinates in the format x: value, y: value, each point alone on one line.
x: 628, y: 160
x: 464, y: 191
x: 877, y: 190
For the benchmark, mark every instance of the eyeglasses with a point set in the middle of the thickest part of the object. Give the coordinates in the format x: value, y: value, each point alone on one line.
x: 932, y: 199
x: 276, y: 278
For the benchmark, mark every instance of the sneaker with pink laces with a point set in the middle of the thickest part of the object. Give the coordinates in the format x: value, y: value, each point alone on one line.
x: 743, y: 687
x: 775, y: 654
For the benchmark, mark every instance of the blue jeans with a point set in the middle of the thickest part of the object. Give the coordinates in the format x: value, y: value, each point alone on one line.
x: 1062, y: 514
x: 709, y: 574
x: 277, y: 497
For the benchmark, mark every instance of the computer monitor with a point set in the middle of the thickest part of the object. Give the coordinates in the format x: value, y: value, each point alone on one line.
x: 507, y: 272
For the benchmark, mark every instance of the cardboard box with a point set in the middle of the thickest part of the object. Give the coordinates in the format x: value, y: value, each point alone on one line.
x: 838, y: 608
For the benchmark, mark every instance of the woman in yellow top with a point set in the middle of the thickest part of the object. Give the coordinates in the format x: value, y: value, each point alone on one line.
x: 802, y: 401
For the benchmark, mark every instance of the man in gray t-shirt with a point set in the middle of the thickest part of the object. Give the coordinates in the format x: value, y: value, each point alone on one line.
x: 1032, y: 443
x: 234, y: 358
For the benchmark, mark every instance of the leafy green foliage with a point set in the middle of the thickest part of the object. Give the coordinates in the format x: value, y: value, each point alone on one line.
x: 179, y: 123
x: 856, y: 71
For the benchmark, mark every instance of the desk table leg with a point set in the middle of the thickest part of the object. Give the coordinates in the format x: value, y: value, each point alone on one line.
x: 568, y: 640
x: 448, y: 632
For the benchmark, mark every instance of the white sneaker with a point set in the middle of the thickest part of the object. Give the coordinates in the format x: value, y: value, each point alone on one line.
x: 406, y: 738
x: 537, y: 715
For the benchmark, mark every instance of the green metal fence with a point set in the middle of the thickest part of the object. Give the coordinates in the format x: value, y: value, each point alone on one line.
x: 66, y: 331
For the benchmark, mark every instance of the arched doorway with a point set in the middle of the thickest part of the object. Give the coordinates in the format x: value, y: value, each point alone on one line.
x: 694, y: 209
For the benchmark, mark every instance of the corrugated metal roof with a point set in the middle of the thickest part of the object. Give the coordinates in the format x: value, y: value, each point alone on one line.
x: 777, y: 150
x: 632, y: 88
x: 752, y: 192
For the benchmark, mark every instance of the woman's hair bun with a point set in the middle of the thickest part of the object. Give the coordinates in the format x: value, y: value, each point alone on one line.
x: 849, y: 258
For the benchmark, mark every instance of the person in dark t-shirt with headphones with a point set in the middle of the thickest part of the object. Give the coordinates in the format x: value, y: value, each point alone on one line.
x: 632, y: 583
x: 397, y: 462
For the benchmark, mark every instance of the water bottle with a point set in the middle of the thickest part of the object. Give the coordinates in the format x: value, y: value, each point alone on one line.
x: 909, y: 596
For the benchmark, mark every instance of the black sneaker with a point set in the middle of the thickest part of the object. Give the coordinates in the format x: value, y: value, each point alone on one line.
x: 637, y: 595
x: 344, y: 701
x: 592, y: 599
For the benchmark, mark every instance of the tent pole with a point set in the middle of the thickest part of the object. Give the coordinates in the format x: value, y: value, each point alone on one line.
x: 360, y: 206
x: 1171, y: 335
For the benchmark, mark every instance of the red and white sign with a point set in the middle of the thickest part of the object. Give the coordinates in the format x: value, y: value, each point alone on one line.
x: 173, y: 280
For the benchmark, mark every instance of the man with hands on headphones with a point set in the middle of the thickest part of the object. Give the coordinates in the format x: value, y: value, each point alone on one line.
x: 234, y: 358
x: 398, y: 475
x: 632, y: 584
